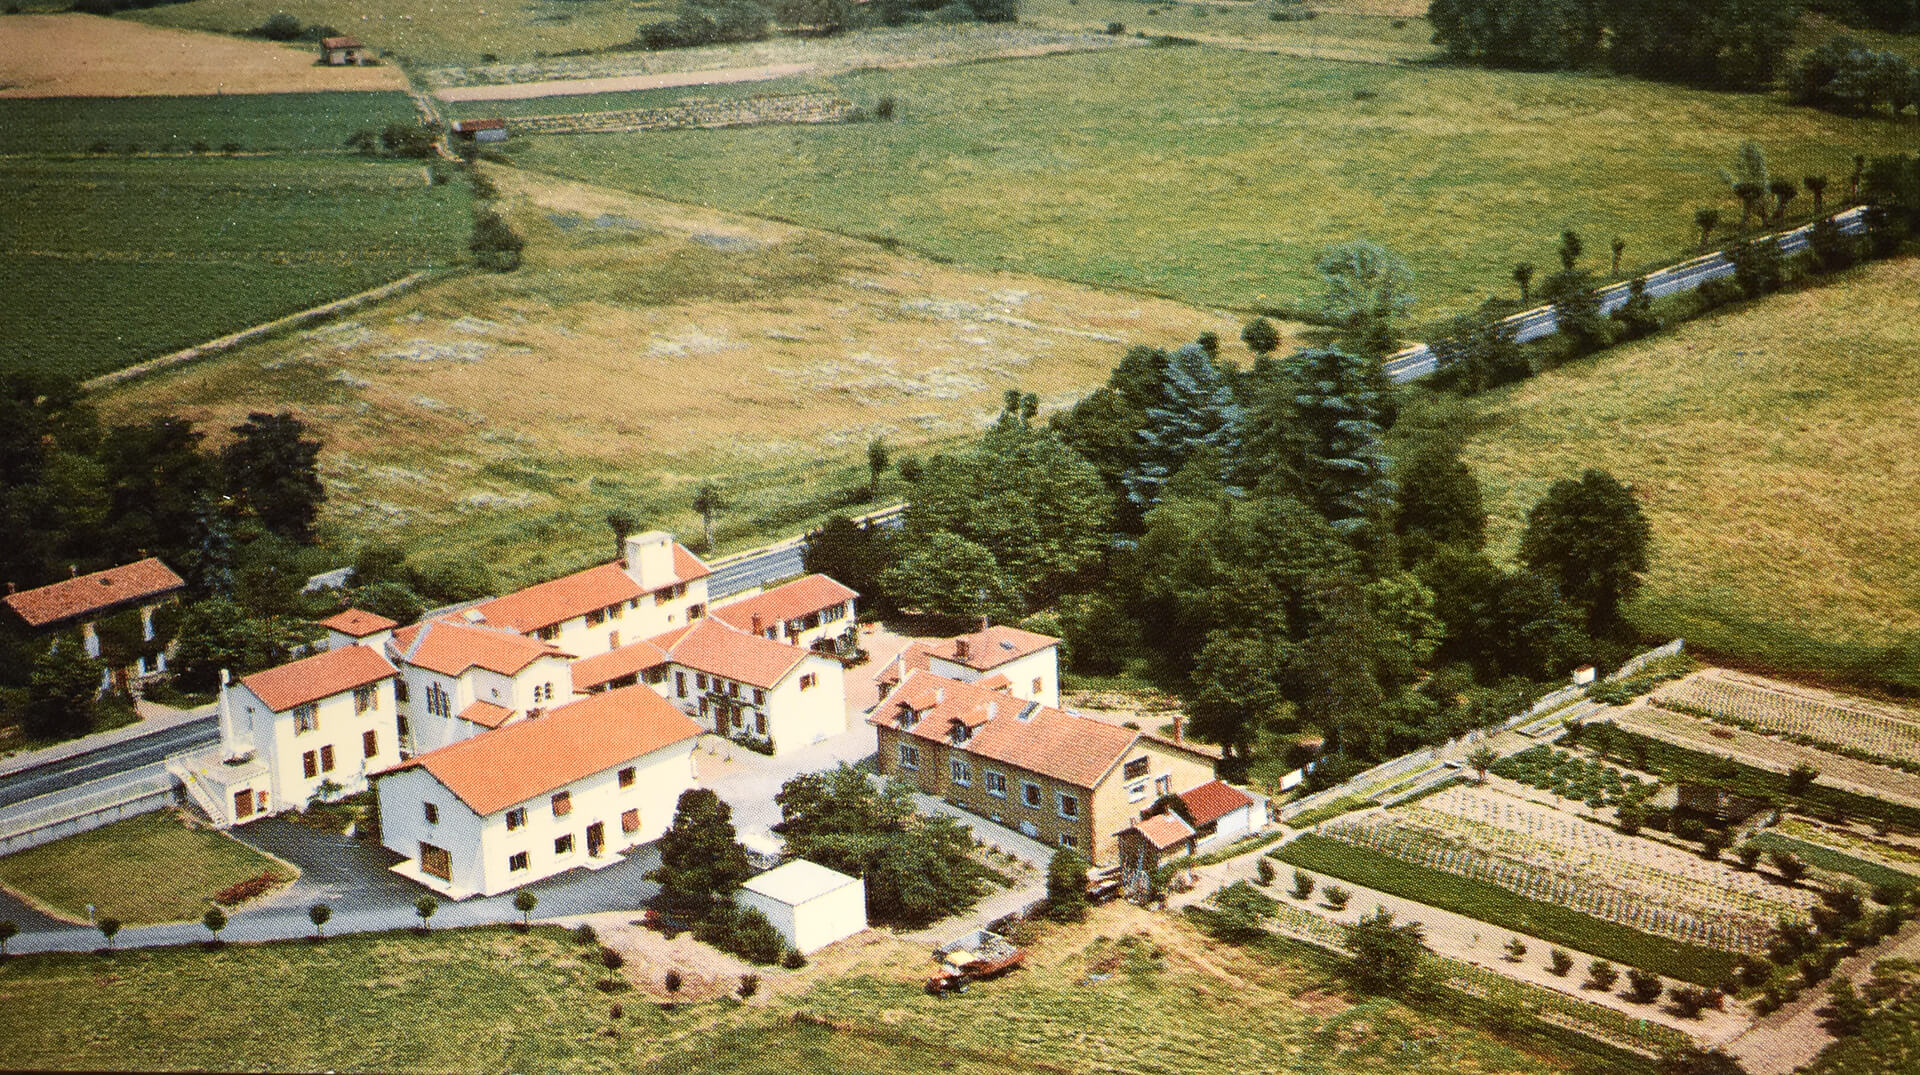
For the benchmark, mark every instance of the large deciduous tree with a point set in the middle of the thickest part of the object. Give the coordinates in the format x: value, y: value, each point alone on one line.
x: 1591, y: 539
x: 1368, y: 290
x: 700, y: 861
x: 272, y: 466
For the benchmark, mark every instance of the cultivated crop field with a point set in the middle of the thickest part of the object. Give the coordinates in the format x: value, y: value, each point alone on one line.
x: 1880, y: 732
x: 69, y: 55
x: 1223, y: 185
x: 1548, y: 855
x: 1774, y: 449
x: 251, y: 123
x: 108, y: 262
x: 643, y: 348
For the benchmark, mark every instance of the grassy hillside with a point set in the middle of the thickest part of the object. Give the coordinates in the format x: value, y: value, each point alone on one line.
x: 108, y: 261
x: 643, y: 348
x: 1775, y: 449
x: 1215, y: 176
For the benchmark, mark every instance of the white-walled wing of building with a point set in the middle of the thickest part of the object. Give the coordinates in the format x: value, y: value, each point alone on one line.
x: 655, y: 586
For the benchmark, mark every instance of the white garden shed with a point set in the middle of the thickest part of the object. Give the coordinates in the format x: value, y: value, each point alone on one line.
x: 809, y: 904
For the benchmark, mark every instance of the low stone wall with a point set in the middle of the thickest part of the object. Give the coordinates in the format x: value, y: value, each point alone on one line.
x: 696, y: 112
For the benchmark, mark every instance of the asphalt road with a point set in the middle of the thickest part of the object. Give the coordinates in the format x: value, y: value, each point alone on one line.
x: 107, y: 761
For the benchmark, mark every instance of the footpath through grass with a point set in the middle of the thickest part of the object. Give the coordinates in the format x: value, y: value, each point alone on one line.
x: 146, y: 869
x: 1216, y: 176
x: 1508, y: 910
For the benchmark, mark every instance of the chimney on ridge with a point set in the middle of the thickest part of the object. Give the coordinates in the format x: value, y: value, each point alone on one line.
x: 648, y: 559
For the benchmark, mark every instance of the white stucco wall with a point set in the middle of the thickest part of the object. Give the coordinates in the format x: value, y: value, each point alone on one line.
x: 282, y: 749
x: 1043, y: 666
x: 815, y: 923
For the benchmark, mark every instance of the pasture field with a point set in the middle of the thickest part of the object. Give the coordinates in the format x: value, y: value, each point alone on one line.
x: 1341, y: 31
x: 254, y: 122
x: 1773, y: 448
x: 1222, y: 185
x: 1172, y: 1000
x: 108, y: 262
x: 72, y: 55
x: 645, y: 347
x: 146, y: 869
x: 435, y: 34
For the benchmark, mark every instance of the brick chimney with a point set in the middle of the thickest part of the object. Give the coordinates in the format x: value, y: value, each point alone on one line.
x: 960, y: 648
x: 757, y: 625
x: 1179, y: 722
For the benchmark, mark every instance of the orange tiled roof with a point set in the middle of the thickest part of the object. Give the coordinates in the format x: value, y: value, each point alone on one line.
x: 450, y: 647
x: 1163, y: 830
x: 789, y: 601
x: 714, y: 648
x: 591, y: 672
x: 485, y: 714
x: 1052, y: 742
x: 97, y: 592
x: 322, y: 675
x: 1213, y: 800
x: 561, y: 599
x: 358, y: 623
x: 529, y: 758
x: 991, y: 648
x: 911, y: 659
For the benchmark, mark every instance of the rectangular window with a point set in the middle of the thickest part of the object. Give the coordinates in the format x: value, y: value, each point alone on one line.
x: 399, y: 690
x: 562, y: 804
x: 996, y: 783
x: 365, y: 698
x: 909, y: 756
x: 614, y: 611
x: 759, y: 696
x: 760, y: 723
x: 548, y: 634
x: 305, y: 718
x: 369, y: 744
x: 626, y: 777
x: 807, y: 681
x: 1137, y: 768
x: 310, y: 764
x: 680, y: 684
x: 962, y: 773
x: 326, y: 758
x: 1036, y: 684
x: 1030, y: 794
x: 733, y: 689
x: 1069, y: 806
x: 1163, y: 786
x: 597, y: 617
x: 613, y: 640
x: 1069, y: 840
x: 516, y: 818
x: 694, y: 612
x: 431, y: 812
x: 517, y: 861
x: 630, y: 821
x: 563, y: 845
x: 700, y: 681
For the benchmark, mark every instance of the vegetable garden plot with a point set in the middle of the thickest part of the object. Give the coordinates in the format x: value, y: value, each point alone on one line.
x: 1863, y: 728
x: 1547, y: 855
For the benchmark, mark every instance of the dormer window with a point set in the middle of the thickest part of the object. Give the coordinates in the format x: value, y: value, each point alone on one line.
x: 961, y: 733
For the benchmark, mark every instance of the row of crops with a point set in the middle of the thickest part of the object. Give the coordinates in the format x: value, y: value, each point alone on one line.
x: 1855, y: 730
x: 1595, y: 783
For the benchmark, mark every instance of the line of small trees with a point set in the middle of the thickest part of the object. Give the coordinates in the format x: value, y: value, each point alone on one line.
x: 711, y: 22
x: 1729, y: 44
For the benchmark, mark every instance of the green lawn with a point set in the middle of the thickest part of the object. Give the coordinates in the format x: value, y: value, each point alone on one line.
x: 1772, y: 449
x: 1826, y: 858
x: 1508, y: 910
x: 150, y: 868
x: 256, y: 122
x: 1216, y: 176
x: 109, y: 262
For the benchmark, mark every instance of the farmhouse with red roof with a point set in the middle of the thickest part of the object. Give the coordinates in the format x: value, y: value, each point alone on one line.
x: 112, y: 613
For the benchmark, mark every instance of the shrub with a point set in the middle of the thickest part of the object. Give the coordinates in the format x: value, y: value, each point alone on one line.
x: 883, y: 108
x: 1302, y: 885
x: 1516, y: 949
x: 246, y: 890
x: 1757, y: 267
x: 793, y: 960
x: 749, y: 985
x: 671, y: 980
x: 279, y: 26
x: 1601, y: 975
x: 584, y: 934
x: 495, y: 244
x: 1559, y: 963
x: 1336, y: 897
x: 1115, y: 29
x: 1643, y: 987
x: 611, y: 959
x: 1748, y: 854
x: 1264, y: 873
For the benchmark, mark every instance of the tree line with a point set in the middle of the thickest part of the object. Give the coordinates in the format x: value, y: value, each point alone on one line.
x: 709, y: 22
x: 1240, y: 533
x: 1727, y: 44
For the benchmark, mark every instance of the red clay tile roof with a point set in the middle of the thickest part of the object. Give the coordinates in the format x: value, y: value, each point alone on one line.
x: 1213, y: 800
x: 992, y: 647
x: 561, y: 599
x: 718, y: 650
x: 322, y: 675
x: 97, y: 592
x: 529, y: 758
x: 450, y: 647
x: 687, y: 565
x: 591, y: 672
x: 358, y: 623
x: 1052, y: 742
x: 485, y: 714
x: 790, y: 601
x: 1163, y: 830
x: 491, y: 123
x: 911, y: 659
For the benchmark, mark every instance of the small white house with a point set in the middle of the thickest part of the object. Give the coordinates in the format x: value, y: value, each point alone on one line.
x: 810, y: 905
x: 1022, y: 663
x: 458, y: 680
x: 798, y: 613
x: 575, y: 787
x: 657, y: 585
x: 742, y: 685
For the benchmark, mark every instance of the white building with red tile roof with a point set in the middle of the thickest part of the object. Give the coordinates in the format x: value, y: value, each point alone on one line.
x: 1064, y: 779
x: 655, y: 586
x: 315, y: 726
x: 86, y: 604
x: 747, y: 687
x: 358, y: 627
x: 1027, y: 663
x: 799, y: 613
x: 459, y: 679
x: 573, y: 788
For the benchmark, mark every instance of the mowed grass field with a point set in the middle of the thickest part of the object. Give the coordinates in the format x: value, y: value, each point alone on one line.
x: 1172, y: 1001
x: 1216, y: 176
x: 109, y: 262
x: 146, y: 869
x: 643, y: 348
x: 1776, y: 450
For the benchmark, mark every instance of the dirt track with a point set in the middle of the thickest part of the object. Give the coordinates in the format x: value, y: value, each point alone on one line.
x: 90, y: 56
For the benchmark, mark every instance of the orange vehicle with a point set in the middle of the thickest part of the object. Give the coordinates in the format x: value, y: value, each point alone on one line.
x: 978, y: 956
